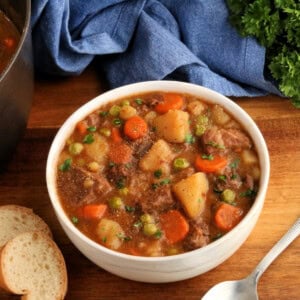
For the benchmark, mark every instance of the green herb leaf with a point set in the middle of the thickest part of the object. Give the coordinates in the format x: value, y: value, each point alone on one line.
x: 215, y: 145
x: 117, y: 122
x: 157, y: 173
x: 75, y: 220
x: 208, y: 157
x: 66, y: 165
x: 88, y: 139
x: 234, y: 164
x: 189, y: 139
x: 249, y: 193
x: 129, y: 208
x: 92, y: 129
x: 120, y: 183
x: 138, y: 101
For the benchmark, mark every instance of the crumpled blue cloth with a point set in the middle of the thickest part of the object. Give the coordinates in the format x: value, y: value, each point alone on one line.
x: 139, y: 40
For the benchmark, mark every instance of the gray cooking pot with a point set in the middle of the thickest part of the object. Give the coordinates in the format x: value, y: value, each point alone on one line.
x: 16, y: 82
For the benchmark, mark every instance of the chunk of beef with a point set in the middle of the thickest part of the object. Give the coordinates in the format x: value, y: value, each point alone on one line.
x: 219, y: 139
x: 119, y: 171
x: 249, y: 182
x: 89, y: 198
x: 154, y: 100
x: 235, y: 139
x: 182, y: 174
x: 157, y: 200
x: 141, y: 146
x: 101, y: 184
x: 93, y: 120
x: 212, y: 140
x: 197, y: 237
x: 228, y: 180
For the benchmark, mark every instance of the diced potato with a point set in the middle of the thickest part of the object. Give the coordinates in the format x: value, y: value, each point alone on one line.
x: 98, y: 149
x: 127, y: 112
x: 158, y: 157
x: 172, y: 126
x: 219, y: 116
x: 110, y: 233
x: 233, y: 125
x: 191, y: 192
x: 255, y: 172
x: 150, y: 116
x: 249, y: 157
x: 196, y: 107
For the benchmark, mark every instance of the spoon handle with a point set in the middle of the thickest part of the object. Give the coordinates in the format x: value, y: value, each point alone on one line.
x: 291, y: 234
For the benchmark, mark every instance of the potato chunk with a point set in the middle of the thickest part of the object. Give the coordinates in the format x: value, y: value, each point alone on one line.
x: 158, y: 157
x: 249, y: 157
x: 172, y: 126
x: 219, y: 116
x: 191, y: 192
x: 98, y: 149
x: 110, y: 233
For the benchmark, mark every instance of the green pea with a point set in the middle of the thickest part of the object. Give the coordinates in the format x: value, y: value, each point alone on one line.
x: 149, y: 229
x: 125, y: 103
x: 146, y: 218
x: 116, y: 202
x: 105, y: 131
x: 228, y: 196
x: 114, y: 110
x: 75, y: 148
x: 181, y: 163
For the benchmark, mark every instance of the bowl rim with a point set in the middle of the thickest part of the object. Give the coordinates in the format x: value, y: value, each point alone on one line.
x: 140, y: 88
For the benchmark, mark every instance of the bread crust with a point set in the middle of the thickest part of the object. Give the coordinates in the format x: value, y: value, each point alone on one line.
x: 23, y: 274
x: 16, y: 219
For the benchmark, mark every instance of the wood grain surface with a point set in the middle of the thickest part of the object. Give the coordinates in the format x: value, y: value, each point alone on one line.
x: 24, y: 183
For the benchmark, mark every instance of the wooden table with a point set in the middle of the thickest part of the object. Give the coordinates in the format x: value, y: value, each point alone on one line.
x: 24, y: 183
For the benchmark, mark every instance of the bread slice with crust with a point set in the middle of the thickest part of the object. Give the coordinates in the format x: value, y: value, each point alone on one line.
x: 15, y: 219
x: 32, y: 265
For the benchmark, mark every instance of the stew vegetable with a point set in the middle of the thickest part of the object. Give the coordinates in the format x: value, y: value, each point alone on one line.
x: 157, y: 174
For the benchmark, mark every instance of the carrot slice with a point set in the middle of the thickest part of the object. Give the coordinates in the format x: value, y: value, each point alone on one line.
x: 93, y: 211
x: 227, y: 216
x: 211, y: 164
x: 171, y: 101
x: 116, y: 135
x: 135, y: 127
x: 82, y: 127
x: 9, y: 42
x: 120, y: 153
x: 174, y: 225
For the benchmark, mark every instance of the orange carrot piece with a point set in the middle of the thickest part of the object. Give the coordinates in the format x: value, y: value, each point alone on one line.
x: 135, y: 127
x: 227, y: 216
x: 216, y: 163
x: 116, y: 135
x: 171, y: 101
x: 82, y: 127
x: 9, y: 42
x: 93, y: 211
x: 174, y: 225
x: 120, y: 153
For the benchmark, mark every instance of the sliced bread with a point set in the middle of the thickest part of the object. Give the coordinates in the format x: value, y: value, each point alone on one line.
x: 32, y: 265
x: 15, y: 219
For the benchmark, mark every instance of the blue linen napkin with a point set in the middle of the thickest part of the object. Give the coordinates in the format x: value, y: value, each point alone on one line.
x: 138, y: 40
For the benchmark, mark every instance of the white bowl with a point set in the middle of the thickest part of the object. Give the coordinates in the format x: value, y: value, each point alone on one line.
x: 168, y: 268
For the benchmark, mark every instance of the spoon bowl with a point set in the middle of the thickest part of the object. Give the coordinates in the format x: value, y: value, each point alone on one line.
x: 246, y: 289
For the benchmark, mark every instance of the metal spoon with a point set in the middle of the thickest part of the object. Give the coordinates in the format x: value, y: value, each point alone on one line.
x: 246, y: 289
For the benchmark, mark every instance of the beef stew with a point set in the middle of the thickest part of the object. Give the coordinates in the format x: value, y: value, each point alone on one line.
x: 157, y: 174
